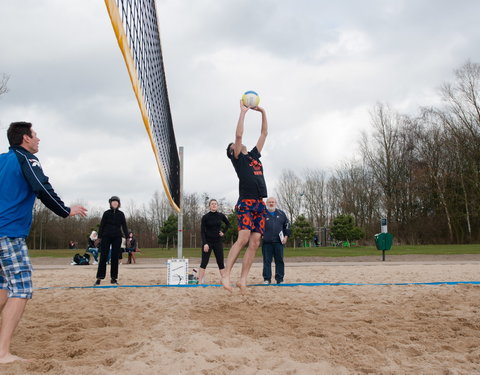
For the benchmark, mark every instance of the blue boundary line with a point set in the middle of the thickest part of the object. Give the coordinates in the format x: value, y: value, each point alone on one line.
x: 280, y: 285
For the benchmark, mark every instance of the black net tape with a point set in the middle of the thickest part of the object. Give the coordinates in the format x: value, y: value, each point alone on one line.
x: 139, y: 18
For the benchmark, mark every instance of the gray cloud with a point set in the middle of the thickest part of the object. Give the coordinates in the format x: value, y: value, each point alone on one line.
x: 319, y: 67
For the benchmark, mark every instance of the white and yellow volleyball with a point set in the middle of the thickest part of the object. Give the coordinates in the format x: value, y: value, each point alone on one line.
x: 250, y: 99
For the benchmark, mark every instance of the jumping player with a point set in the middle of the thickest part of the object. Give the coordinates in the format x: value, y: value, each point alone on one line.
x: 250, y: 206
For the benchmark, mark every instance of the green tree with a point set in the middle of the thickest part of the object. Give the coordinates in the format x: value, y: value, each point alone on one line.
x: 344, y: 229
x: 168, y: 231
x: 302, y: 229
x: 232, y: 233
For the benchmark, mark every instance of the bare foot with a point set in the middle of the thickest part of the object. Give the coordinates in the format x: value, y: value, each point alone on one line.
x: 226, y: 284
x: 9, y: 358
x: 243, y: 288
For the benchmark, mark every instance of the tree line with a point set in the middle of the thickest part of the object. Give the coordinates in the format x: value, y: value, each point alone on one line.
x: 420, y: 171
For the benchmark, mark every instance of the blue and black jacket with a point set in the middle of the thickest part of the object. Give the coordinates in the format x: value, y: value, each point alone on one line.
x: 21, y: 181
x: 275, y: 222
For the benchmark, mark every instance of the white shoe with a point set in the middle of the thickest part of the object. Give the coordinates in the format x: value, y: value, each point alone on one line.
x: 266, y: 282
x: 95, y: 262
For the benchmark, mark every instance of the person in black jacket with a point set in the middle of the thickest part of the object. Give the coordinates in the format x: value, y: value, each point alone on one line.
x: 110, y: 234
x: 212, y: 234
x: 277, y: 230
x: 131, y: 248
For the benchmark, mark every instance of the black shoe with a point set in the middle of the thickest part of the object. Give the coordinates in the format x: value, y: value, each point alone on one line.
x: 97, y: 282
x: 114, y: 281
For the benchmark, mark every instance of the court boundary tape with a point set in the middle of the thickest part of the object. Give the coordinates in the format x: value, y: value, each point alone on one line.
x: 265, y: 285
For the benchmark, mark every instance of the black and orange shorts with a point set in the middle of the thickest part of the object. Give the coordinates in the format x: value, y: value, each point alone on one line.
x: 251, y: 215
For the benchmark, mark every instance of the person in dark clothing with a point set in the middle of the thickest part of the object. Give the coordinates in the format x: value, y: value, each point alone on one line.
x: 110, y: 234
x: 277, y: 231
x: 131, y: 248
x: 212, y: 233
x: 92, y: 247
x: 250, y: 206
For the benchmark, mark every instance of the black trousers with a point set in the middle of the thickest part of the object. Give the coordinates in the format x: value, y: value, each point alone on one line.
x: 217, y: 248
x: 273, y: 250
x: 115, y: 243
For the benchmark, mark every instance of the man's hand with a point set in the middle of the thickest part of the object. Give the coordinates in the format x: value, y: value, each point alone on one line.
x: 243, y: 107
x: 284, y: 241
x: 206, y: 248
x: 259, y: 109
x: 220, y: 234
x: 78, y: 210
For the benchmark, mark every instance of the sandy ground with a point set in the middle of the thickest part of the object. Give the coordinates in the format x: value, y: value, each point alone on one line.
x: 369, y: 329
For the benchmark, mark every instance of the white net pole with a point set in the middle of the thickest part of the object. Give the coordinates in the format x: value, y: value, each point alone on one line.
x: 180, y: 212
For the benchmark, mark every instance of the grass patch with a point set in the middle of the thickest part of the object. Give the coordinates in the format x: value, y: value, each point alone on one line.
x: 291, y: 252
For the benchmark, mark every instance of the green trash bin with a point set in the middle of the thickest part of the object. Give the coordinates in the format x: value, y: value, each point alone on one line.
x: 383, y: 242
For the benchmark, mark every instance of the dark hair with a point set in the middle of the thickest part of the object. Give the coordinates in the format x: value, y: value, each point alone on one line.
x: 229, y: 152
x: 17, y: 130
x: 212, y: 200
x: 114, y: 198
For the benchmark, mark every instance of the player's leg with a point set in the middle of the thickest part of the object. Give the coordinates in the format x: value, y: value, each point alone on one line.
x: 248, y: 257
x: 267, y: 252
x: 218, y: 251
x: 257, y: 214
x: 16, y: 275
x: 102, y: 264
x: 115, y: 258
x: 279, y: 263
x: 204, y: 263
x: 11, y: 314
x: 243, y: 237
x: 3, y: 289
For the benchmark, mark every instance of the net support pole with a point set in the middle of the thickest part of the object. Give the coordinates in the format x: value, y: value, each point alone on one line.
x: 180, y: 212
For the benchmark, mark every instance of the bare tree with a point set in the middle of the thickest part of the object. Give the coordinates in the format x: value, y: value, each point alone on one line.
x: 381, y: 154
x: 3, y: 84
x: 315, y: 197
x: 434, y: 155
x: 192, y: 211
x: 290, y: 194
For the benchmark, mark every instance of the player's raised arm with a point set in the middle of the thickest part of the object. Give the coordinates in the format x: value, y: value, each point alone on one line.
x: 264, y: 131
x: 237, y: 146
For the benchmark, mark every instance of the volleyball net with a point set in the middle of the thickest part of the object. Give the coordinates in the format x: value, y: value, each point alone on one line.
x: 136, y: 27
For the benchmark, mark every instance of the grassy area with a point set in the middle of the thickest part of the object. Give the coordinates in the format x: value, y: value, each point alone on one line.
x: 291, y: 252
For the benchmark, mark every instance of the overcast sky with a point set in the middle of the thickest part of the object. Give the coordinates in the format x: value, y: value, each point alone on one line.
x: 319, y: 67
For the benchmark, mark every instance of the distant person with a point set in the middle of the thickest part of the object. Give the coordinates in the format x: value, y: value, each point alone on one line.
x: 110, y: 233
x: 92, y: 247
x: 250, y: 206
x: 212, y: 234
x: 72, y: 245
x: 277, y: 231
x: 131, y: 248
x: 123, y: 248
x: 23, y: 181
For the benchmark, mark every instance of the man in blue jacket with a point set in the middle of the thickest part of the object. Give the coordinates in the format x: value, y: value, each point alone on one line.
x: 277, y: 230
x: 22, y: 181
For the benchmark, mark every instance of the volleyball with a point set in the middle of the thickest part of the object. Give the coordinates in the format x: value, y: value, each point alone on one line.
x: 250, y: 99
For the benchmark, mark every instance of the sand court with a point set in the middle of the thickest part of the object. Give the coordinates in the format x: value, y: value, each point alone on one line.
x: 369, y: 329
